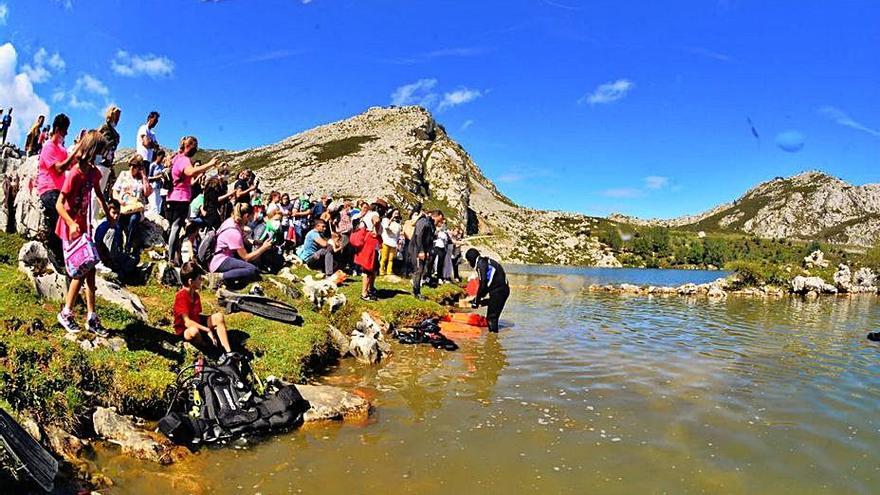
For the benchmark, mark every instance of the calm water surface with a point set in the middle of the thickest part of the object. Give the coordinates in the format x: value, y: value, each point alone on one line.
x: 590, y: 393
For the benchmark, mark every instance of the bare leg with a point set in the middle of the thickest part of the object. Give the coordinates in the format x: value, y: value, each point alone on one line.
x: 218, y: 323
x: 72, y: 292
x: 90, y: 292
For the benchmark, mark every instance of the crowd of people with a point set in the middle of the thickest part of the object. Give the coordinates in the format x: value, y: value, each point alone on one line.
x: 222, y: 226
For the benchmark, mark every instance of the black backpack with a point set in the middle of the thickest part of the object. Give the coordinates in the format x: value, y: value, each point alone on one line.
x: 223, y: 404
x: 208, y: 247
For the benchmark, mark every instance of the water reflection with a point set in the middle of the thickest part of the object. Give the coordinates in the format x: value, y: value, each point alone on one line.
x: 618, y: 394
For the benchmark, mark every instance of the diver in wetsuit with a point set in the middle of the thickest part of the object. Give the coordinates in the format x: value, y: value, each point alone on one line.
x: 493, y: 285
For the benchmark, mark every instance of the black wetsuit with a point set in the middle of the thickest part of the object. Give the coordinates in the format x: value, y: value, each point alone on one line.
x: 493, y: 284
x: 422, y: 242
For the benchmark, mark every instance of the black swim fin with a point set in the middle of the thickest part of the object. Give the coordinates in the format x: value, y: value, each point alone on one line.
x: 26, y: 455
x: 874, y: 336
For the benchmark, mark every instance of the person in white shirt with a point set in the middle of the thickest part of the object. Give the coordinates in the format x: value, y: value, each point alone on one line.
x: 146, y: 139
x: 390, y: 237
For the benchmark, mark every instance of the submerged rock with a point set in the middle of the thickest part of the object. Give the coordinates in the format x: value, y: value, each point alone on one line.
x: 332, y: 403
x: 140, y: 443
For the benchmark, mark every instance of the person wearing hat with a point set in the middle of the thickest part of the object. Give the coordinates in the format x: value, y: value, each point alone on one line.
x: 493, y: 286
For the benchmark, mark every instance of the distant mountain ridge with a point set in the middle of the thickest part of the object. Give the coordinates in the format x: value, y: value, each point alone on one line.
x: 809, y: 206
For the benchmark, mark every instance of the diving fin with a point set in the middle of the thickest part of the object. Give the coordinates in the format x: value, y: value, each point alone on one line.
x: 26, y: 454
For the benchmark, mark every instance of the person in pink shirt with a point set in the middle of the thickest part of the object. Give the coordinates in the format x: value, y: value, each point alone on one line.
x: 183, y: 172
x: 54, y: 162
x: 83, y: 180
x: 231, y: 257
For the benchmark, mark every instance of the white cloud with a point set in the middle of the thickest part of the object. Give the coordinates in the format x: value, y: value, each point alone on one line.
x: 17, y: 91
x: 4, y: 14
x: 459, y: 97
x: 467, y: 124
x: 623, y: 192
x: 422, y: 92
x: 128, y: 65
x: 417, y: 93
x: 608, y: 92
x: 705, y: 52
x: 92, y: 85
x: 842, y: 118
x: 38, y: 71
x: 656, y: 182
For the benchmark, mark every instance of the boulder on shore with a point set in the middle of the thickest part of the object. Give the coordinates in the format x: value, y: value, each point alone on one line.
x: 807, y: 285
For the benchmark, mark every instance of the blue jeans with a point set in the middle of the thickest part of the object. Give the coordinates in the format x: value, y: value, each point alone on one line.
x: 237, y: 272
x: 129, y: 224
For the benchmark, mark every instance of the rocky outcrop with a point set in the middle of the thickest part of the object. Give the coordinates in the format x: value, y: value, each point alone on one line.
x: 368, y: 340
x: 132, y: 438
x: 815, y: 285
x: 33, y: 260
x: 816, y: 259
x: 403, y: 155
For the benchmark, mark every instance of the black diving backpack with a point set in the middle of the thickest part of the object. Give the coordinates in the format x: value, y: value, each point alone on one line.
x: 223, y: 404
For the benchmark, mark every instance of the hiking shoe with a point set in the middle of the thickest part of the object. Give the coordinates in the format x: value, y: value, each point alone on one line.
x: 419, y: 297
x: 94, y: 326
x: 369, y: 298
x: 67, y: 322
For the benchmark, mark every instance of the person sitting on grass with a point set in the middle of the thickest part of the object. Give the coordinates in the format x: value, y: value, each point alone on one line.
x: 109, y: 241
x: 189, y: 322
x: 315, y: 252
x: 231, y: 257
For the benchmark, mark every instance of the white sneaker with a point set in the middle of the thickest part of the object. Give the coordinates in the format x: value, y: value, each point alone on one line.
x: 68, y: 323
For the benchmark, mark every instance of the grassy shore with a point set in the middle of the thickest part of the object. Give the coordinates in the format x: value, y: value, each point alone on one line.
x: 56, y: 381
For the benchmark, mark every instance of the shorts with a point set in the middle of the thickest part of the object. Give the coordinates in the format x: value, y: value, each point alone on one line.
x: 204, y: 320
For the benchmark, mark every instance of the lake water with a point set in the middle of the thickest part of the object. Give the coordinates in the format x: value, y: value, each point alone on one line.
x: 590, y: 393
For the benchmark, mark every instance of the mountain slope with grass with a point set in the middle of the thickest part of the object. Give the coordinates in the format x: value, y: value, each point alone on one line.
x: 811, y: 206
x: 403, y: 155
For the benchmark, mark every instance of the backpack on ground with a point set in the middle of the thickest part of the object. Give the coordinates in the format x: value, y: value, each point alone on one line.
x: 222, y: 403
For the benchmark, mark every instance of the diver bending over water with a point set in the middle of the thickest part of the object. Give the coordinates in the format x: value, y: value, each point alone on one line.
x: 493, y: 285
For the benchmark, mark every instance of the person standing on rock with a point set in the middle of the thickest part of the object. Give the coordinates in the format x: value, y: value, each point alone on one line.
x: 420, y: 248
x: 156, y: 176
x: 147, y: 144
x: 493, y: 290
x: 111, y: 135
x: 32, y: 140
x: 5, y: 124
x: 80, y: 183
x: 54, y: 162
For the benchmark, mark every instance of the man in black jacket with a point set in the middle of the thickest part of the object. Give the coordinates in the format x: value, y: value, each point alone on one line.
x: 420, y: 248
x: 493, y: 285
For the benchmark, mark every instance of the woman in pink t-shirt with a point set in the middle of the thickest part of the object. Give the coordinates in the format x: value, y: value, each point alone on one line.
x: 80, y: 183
x: 183, y: 172
x: 54, y: 161
x: 231, y: 257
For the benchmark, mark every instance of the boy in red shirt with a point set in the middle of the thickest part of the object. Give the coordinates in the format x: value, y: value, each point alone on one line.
x: 189, y: 322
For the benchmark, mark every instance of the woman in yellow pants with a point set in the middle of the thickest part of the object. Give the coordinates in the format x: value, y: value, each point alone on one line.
x: 390, y: 234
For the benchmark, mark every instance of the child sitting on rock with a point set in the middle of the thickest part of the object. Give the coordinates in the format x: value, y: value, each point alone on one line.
x: 189, y: 322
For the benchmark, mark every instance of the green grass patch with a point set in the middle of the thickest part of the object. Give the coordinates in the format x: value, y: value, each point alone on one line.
x: 340, y: 147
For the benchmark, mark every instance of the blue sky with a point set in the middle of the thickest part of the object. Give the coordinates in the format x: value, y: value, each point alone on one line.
x: 584, y: 106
